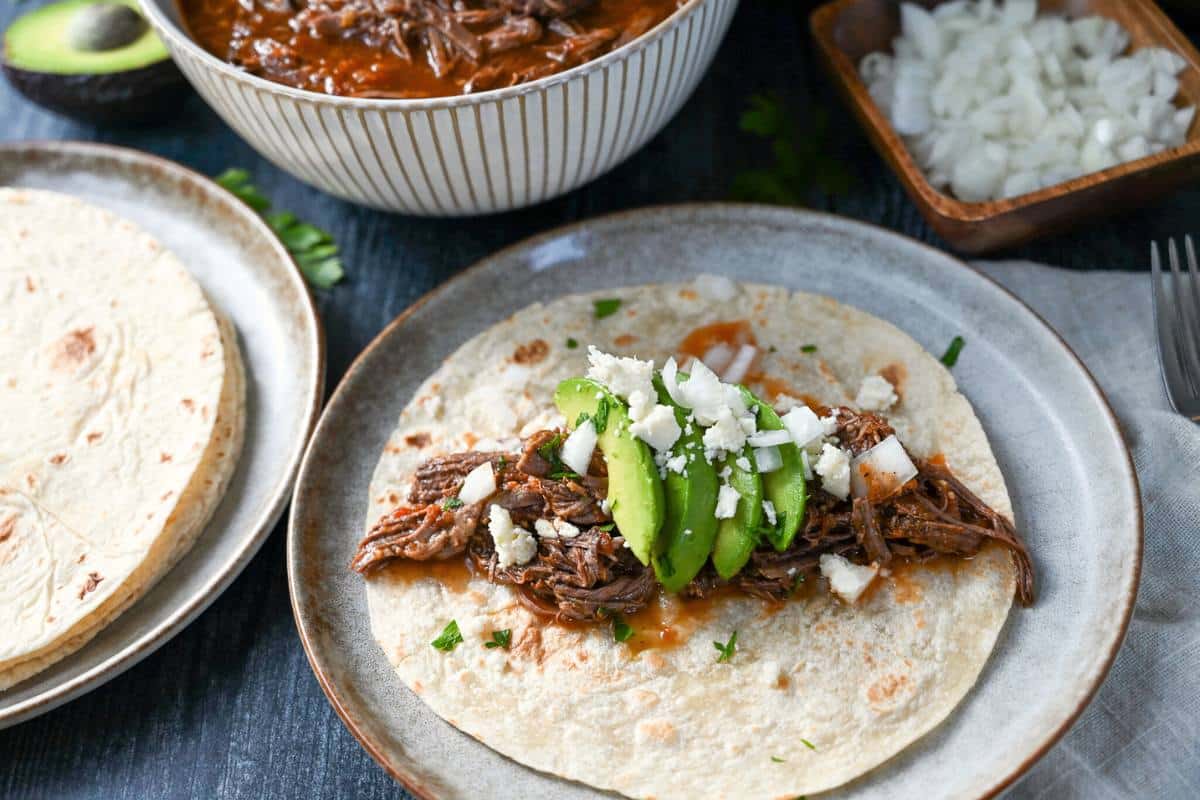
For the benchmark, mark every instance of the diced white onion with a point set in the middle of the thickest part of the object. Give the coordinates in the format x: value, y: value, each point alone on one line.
x: 769, y: 438
x: 804, y: 425
x: 577, y: 449
x: 718, y: 356
x: 740, y: 366
x: 480, y: 484
x: 995, y: 100
x: 767, y: 459
x: 881, y: 471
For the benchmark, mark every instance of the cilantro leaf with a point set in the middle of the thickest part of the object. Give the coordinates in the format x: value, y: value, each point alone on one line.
x: 315, y: 252
x: 606, y: 307
x: 808, y: 348
x: 621, y: 630
x: 451, y: 503
x: 600, y: 418
x: 572, y: 344
x: 726, y: 650
x: 808, y: 744
x: 800, y: 164
x: 502, y: 638
x: 451, y: 638
x: 950, y: 358
x: 608, y: 526
x: 777, y: 759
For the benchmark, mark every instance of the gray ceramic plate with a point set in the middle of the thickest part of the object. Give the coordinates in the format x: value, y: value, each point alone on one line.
x: 246, y: 273
x: 1070, y: 476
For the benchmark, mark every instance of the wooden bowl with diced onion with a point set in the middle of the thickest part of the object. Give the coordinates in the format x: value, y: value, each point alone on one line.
x: 848, y: 30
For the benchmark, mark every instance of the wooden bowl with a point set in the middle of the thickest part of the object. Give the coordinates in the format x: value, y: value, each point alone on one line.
x: 847, y: 30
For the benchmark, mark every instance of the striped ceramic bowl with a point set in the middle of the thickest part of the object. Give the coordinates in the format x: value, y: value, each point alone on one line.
x: 468, y: 154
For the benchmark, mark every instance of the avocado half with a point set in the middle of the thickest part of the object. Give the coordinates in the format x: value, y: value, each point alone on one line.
x: 92, y: 61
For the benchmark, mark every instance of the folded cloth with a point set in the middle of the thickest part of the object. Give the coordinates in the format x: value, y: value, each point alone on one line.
x: 1140, y: 737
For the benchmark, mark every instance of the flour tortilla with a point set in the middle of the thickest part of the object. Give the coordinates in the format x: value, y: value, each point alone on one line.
x: 859, y: 683
x: 122, y: 406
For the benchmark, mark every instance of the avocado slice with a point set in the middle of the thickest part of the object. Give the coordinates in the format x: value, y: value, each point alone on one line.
x: 784, y: 487
x: 690, y: 527
x: 738, y: 535
x: 94, y: 61
x: 635, y: 492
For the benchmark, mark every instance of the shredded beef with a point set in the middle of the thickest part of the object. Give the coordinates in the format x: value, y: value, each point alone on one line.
x: 859, y: 431
x: 418, y: 534
x: 442, y: 477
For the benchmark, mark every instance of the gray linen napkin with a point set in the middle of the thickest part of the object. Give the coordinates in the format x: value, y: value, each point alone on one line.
x: 1140, y: 737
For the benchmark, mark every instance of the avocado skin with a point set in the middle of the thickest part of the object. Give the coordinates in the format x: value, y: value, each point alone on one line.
x: 132, y: 97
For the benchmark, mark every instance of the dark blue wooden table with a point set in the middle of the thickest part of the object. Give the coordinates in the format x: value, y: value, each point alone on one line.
x: 229, y: 708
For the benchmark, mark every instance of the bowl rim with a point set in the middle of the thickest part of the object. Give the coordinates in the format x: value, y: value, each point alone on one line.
x: 176, y: 36
x: 947, y: 206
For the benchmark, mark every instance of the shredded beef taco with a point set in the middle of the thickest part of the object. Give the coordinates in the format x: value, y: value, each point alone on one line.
x: 702, y: 540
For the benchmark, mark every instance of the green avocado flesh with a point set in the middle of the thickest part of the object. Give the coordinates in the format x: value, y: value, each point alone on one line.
x: 39, y: 42
x: 690, y: 527
x: 737, y: 536
x: 784, y: 487
x: 635, y: 493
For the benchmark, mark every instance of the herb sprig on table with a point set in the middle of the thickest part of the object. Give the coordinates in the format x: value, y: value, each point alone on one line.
x: 314, y: 249
x: 801, y: 162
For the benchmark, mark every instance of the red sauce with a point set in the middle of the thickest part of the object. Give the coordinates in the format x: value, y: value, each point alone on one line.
x: 733, y: 334
x: 363, y: 58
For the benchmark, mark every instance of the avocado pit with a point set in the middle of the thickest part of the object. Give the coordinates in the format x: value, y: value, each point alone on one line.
x: 93, y: 61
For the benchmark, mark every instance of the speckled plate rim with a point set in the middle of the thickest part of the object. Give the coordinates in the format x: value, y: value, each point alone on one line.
x: 338, y: 695
x: 271, y: 511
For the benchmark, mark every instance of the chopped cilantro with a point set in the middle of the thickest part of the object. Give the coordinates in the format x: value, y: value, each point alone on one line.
x: 808, y: 348
x: 773, y: 533
x: 451, y: 503
x: 564, y: 475
x: 501, y: 464
x: 607, y: 307
x: 451, y: 638
x: 777, y: 759
x: 808, y: 744
x: 549, y: 449
x: 621, y: 630
x: 314, y: 250
x: 572, y: 344
x: 500, y: 639
x: 608, y: 526
x: 950, y: 358
x: 726, y: 650
x: 600, y: 420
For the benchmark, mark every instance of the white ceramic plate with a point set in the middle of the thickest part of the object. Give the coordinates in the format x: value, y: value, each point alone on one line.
x: 1069, y: 473
x: 248, y: 275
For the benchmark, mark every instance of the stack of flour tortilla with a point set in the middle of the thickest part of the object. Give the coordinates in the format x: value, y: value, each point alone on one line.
x: 121, y: 416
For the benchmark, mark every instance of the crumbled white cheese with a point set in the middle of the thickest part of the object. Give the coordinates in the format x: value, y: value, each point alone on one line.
x: 875, y: 393
x: 743, y: 464
x: 658, y: 428
x: 577, y: 449
x: 715, y: 287
x: 513, y: 545
x: 566, y: 530
x: 768, y: 459
x: 677, y: 463
x: 727, y: 502
x: 829, y: 424
x: 625, y: 377
x: 725, y: 433
x: 769, y: 512
x: 834, y: 468
x: 479, y: 484
x: 804, y: 426
x: 847, y: 580
x: 545, y: 529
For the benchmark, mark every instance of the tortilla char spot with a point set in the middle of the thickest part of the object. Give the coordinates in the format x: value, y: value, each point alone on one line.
x: 7, y: 526
x: 74, y: 349
x: 895, y: 374
x: 188, y: 403
x: 94, y: 437
x: 470, y: 439
x: 529, y: 644
x: 29, y: 285
x: 659, y: 730
x: 12, y: 383
x: 393, y: 498
x: 625, y: 340
x: 654, y: 660
x: 31, y: 481
x: 163, y: 458
x: 168, y: 494
x: 631, y: 313
x: 58, y: 458
x: 919, y: 619
x: 418, y: 440
x: 82, y: 558
x: 93, y: 580
x: 532, y: 352
x: 417, y: 687
x: 883, y: 692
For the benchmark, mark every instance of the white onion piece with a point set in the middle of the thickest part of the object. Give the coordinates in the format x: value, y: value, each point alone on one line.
x: 881, y: 471
x: 577, y: 449
x: 480, y: 484
x: 740, y: 366
x: 769, y: 438
x: 718, y: 356
x: 767, y: 459
x: 804, y: 426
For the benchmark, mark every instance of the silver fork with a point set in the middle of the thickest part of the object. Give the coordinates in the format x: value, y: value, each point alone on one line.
x: 1177, y: 317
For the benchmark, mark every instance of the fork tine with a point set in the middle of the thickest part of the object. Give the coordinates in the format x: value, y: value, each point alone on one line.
x: 1185, y: 324
x: 1194, y: 279
x: 1164, y: 320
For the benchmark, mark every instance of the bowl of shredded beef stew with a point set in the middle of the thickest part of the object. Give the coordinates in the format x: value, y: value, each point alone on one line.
x: 444, y: 107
